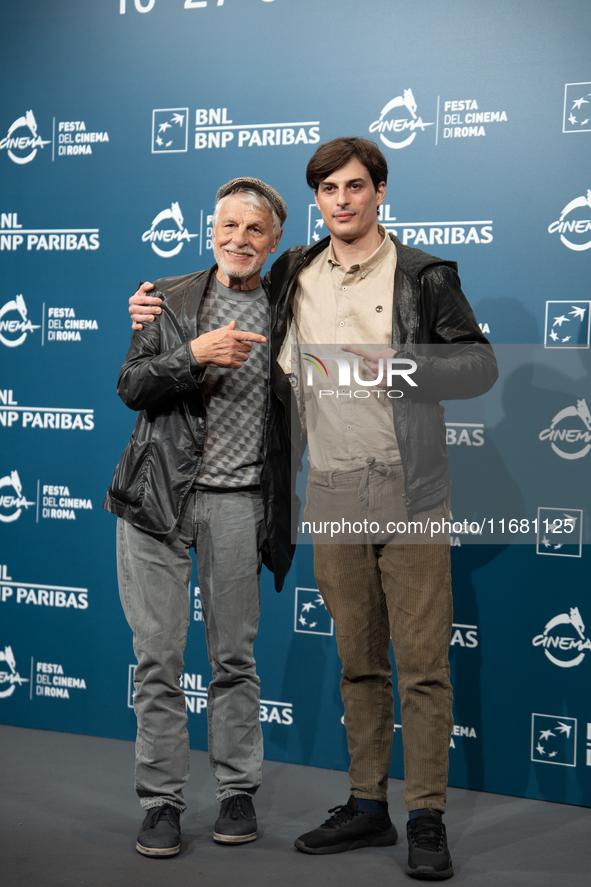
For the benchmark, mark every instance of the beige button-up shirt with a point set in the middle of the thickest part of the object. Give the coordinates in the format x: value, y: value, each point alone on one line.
x: 332, y: 307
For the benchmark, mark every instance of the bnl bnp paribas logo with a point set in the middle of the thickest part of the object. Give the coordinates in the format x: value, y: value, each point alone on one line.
x: 569, y: 433
x: 311, y: 615
x: 214, y: 128
x: 576, y: 115
x: 560, y: 532
x: 563, y: 639
x: 554, y: 740
x: 567, y: 324
x: 23, y: 140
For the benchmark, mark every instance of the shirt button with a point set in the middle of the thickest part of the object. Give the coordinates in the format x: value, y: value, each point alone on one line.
x: 379, y: 309
x: 348, y: 428
x: 358, y: 460
x: 363, y: 273
x: 342, y: 323
x: 344, y: 287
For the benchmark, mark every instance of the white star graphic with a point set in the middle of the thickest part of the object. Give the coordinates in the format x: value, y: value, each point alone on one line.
x: 578, y: 102
x: 159, y: 141
x: 564, y: 728
x: 315, y: 236
x: 312, y: 624
x: 552, y: 754
x: 546, y: 542
x: 544, y: 734
x: 307, y: 607
x: 572, y: 119
x: 164, y: 127
x: 302, y: 621
x: 578, y: 312
x: 566, y: 338
x: 540, y: 749
x: 558, y: 321
x: 178, y: 118
x: 583, y: 122
x: 554, y: 336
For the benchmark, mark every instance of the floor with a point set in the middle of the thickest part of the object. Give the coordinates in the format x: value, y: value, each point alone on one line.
x: 69, y: 817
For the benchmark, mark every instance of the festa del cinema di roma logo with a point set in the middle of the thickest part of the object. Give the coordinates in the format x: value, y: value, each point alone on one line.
x: 400, y: 121
x: 175, y: 235
x: 573, y: 645
x: 22, y: 140
x: 576, y: 225
x: 580, y: 438
x: 11, y: 677
x: 12, y: 504
x: 14, y: 330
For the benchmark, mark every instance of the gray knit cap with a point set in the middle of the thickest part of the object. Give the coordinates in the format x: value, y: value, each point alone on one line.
x: 274, y: 198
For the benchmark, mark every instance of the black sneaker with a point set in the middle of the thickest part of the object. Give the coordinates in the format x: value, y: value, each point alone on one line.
x: 348, y: 829
x: 237, y: 822
x: 160, y: 834
x: 428, y: 856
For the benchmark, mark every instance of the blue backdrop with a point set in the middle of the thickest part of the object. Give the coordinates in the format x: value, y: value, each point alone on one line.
x: 119, y: 121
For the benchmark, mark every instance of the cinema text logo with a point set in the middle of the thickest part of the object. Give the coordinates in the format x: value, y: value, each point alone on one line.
x: 576, y: 317
x: 554, y: 740
x: 579, y: 438
x: 560, y: 532
x: 22, y: 141
x: 12, y: 236
x: 49, y: 418
x: 459, y: 732
x: 60, y: 596
x: 214, y: 129
x: 11, y: 677
x: 400, y: 120
x: 14, y: 330
x: 581, y: 226
x: 576, y: 117
x: 176, y: 235
x: 573, y: 645
x: 12, y: 504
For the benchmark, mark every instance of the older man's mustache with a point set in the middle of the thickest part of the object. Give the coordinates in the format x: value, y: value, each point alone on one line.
x: 229, y: 247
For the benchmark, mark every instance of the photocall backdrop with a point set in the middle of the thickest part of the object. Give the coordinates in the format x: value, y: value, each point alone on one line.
x: 119, y: 121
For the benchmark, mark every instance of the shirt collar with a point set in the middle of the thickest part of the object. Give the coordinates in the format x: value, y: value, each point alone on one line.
x: 378, y: 255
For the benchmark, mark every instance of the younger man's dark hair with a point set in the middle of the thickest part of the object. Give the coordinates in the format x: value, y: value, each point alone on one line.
x: 335, y: 154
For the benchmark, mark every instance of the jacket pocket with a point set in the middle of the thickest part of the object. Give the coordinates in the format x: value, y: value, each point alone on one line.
x: 129, y: 479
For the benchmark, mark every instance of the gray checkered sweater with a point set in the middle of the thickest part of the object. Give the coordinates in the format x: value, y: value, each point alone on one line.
x: 235, y: 399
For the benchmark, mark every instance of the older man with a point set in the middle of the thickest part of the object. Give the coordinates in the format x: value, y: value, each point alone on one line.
x: 207, y: 467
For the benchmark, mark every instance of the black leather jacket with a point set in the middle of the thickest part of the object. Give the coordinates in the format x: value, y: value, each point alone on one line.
x: 162, y: 459
x: 429, y: 309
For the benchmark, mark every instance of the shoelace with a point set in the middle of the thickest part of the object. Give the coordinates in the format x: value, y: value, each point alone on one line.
x: 235, y: 808
x: 342, y: 814
x: 427, y: 834
x: 165, y: 812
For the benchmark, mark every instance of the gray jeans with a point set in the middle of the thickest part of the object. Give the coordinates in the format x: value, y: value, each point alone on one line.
x: 227, y: 532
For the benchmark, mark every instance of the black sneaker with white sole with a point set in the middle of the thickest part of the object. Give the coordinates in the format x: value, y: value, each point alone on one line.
x: 349, y: 828
x: 428, y: 856
x: 237, y: 822
x: 160, y: 834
